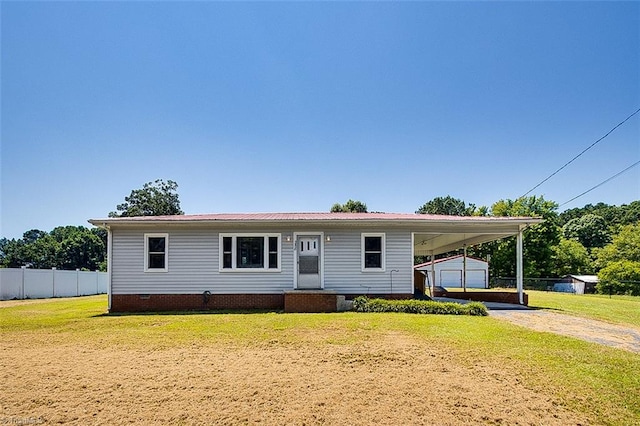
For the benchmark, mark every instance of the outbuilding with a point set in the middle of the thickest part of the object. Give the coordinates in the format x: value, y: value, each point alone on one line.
x: 579, y: 284
x: 291, y: 261
x: 455, y: 272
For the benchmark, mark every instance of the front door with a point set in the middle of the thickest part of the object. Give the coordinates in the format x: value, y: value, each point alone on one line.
x: 308, y: 251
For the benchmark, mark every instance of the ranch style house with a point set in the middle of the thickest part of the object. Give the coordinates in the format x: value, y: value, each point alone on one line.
x: 299, y: 262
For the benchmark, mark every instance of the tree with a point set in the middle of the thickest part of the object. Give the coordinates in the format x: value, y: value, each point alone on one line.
x: 539, y: 239
x: 590, y: 230
x: 571, y: 257
x: 447, y: 206
x: 624, y: 246
x: 620, y: 277
x: 157, y: 198
x: 614, y: 216
x: 80, y: 248
x: 351, y: 206
x: 66, y: 247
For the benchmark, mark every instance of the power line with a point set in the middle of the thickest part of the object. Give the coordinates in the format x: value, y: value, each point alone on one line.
x: 585, y: 150
x: 601, y: 183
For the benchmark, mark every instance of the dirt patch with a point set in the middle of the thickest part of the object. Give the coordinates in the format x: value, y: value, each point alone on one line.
x: 393, y: 380
x: 616, y: 336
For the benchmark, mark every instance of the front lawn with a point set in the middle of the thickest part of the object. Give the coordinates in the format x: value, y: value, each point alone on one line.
x: 65, y: 361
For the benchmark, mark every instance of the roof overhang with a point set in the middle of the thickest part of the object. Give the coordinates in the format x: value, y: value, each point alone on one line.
x: 432, y: 234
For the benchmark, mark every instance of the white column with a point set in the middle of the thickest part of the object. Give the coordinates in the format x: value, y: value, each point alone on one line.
x: 464, y: 267
x: 433, y: 273
x: 519, y: 271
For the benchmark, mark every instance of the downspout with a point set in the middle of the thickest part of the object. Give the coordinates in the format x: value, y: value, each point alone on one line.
x: 109, y: 263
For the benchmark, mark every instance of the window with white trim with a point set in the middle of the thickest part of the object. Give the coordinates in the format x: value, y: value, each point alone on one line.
x: 156, y: 248
x: 373, y: 252
x: 250, y: 252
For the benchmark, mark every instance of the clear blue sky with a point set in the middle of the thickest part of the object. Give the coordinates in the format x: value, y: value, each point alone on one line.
x: 295, y: 106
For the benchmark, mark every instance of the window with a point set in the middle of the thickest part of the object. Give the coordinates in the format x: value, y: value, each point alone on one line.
x: 156, y: 247
x: 250, y: 252
x: 373, y: 252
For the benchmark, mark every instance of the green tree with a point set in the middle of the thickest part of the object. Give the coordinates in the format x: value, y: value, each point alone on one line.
x: 624, y: 246
x: 12, y: 253
x: 620, y: 277
x: 157, y: 198
x: 41, y: 253
x: 80, y: 248
x: 614, y: 216
x: 447, y: 206
x: 538, y: 239
x: 590, y: 230
x: 65, y: 247
x: 351, y: 206
x: 571, y: 257
x: 619, y: 263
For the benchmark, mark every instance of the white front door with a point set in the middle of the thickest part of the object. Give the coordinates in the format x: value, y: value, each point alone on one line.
x: 308, y: 262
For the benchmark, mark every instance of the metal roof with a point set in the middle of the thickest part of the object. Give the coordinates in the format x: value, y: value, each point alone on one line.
x: 321, y: 216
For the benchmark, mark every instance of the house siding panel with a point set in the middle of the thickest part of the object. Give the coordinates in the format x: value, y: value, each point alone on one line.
x: 193, y: 263
x: 343, y: 264
x: 193, y: 267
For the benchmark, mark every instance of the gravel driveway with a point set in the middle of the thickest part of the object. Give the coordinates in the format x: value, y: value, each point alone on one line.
x: 601, y: 332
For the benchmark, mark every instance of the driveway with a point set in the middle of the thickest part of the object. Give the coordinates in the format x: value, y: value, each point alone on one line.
x: 601, y: 332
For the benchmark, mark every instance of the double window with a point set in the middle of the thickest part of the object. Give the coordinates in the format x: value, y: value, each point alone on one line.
x: 156, y: 248
x: 373, y: 252
x: 250, y: 252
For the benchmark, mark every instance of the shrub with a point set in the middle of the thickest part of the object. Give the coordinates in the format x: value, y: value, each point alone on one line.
x: 364, y: 304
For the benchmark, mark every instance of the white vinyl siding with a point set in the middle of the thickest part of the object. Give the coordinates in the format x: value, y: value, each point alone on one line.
x: 343, y: 264
x: 193, y: 266
x: 195, y: 257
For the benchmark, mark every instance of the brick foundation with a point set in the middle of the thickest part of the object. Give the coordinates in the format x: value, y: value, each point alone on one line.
x: 185, y: 302
x: 310, y: 301
x: 290, y: 301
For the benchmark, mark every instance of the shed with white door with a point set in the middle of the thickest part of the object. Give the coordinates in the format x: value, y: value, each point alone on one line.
x: 450, y: 272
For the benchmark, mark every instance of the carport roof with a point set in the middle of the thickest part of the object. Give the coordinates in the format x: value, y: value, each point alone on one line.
x: 433, y: 234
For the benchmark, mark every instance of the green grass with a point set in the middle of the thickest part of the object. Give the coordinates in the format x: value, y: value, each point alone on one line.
x: 598, y: 381
x: 623, y: 310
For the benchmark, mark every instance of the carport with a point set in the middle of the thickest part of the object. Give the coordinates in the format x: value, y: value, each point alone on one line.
x: 450, y: 233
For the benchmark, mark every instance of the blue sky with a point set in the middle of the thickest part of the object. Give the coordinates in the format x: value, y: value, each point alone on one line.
x: 295, y: 106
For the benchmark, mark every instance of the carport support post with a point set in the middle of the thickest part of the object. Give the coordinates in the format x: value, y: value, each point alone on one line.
x: 464, y: 268
x: 433, y: 273
x: 519, y: 272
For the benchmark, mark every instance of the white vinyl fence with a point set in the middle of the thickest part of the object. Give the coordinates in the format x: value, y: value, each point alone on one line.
x: 24, y: 283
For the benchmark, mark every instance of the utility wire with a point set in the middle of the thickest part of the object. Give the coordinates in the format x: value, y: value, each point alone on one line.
x: 601, y: 183
x: 585, y: 150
